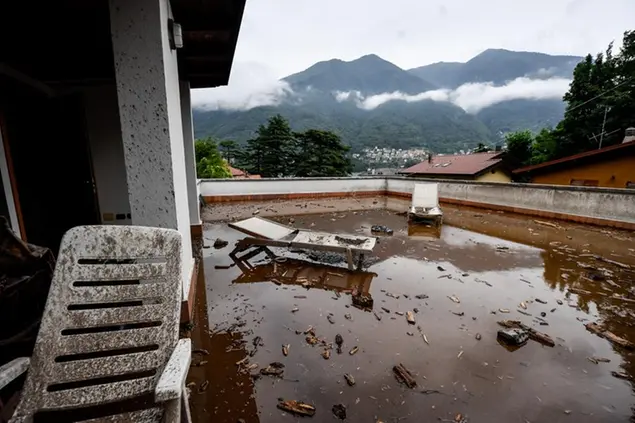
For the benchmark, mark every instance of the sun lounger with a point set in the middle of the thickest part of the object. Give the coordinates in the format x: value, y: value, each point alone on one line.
x: 266, y: 232
x: 110, y: 329
x: 425, y: 204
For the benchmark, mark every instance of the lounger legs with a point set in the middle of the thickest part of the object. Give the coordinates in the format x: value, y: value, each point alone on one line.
x: 349, y: 258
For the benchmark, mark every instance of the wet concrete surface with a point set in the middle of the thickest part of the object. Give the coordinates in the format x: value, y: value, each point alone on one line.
x: 489, y: 261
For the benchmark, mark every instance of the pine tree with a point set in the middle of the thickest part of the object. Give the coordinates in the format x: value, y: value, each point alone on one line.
x: 321, y: 153
x: 271, y: 153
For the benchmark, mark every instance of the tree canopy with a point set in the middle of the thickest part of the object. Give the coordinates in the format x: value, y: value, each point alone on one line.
x: 209, y: 163
x: 600, y: 106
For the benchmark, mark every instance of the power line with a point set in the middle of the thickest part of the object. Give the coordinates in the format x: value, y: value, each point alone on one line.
x: 600, y: 95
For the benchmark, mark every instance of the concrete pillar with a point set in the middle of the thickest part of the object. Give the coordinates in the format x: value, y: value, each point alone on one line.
x: 190, y: 159
x: 150, y: 114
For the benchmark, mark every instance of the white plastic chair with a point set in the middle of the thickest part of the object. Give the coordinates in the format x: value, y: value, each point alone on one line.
x: 110, y: 329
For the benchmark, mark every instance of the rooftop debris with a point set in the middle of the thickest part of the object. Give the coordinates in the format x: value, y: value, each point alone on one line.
x: 606, y: 334
x: 339, y: 411
x: 404, y: 376
x: 349, y: 379
x: 514, y: 336
x: 339, y: 341
x: 381, y: 229
x: 540, y: 337
x: 297, y: 407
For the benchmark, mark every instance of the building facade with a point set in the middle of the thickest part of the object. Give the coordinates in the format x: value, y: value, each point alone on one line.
x: 609, y: 167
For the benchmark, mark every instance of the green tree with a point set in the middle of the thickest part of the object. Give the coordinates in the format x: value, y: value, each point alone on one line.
x: 321, y: 153
x: 599, y: 101
x: 544, y: 146
x: 519, y: 147
x: 230, y: 150
x: 272, y: 153
x: 209, y: 163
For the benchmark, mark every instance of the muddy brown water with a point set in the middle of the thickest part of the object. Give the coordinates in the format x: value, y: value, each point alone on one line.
x: 490, y: 261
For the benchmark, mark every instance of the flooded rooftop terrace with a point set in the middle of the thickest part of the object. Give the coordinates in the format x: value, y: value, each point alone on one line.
x: 480, y: 269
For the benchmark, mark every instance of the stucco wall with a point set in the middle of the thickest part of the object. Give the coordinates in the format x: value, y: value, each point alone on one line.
x: 106, y: 148
x: 574, y: 203
x: 613, y: 173
x: 496, y: 176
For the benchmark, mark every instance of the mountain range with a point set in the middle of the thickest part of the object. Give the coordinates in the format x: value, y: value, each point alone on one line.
x: 372, y: 102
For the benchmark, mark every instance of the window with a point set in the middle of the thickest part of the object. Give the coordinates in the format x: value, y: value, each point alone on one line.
x: 584, y: 182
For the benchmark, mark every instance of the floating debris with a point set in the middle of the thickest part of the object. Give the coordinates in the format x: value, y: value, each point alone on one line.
x: 310, y: 331
x: 399, y: 313
x: 385, y: 309
x: 454, y: 298
x: 377, y: 316
x: 326, y: 354
x: 339, y: 341
x: 410, y: 334
x: 331, y: 319
x: 606, y: 334
x: 339, y: 411
x: 523, y: 312
x: 297, y: 407
x: 285, y: 349
x: 421, y: 297
x: 460, y: 314
x: 203, y: 386
x: 294, y: 309
x: 478, y: 337
x: 440, y: 269
x: 537, y: 336
x: 348, y: 317
x: 404, y: 376
x: 354, y: 350
x: 513, y: 336
x: 273, y: 369
x: 364, y: 302
x: 579, y: 291
x: 503, y: 310
x: 416, y: 310
x: 381, y: 229
x: 300, y: 297
x: 311, y: 340
x: 349, y: 379
x: 202, y: 351
x: 410, y: 317
x: 538, y: 300
x: 559, y: 302
x: 622, y: 375
x: 459, y: 354
x: 523, y: 305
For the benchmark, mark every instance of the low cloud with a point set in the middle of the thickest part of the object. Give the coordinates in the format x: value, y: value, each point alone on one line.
x: 470, y: 97
x: 250, y: 85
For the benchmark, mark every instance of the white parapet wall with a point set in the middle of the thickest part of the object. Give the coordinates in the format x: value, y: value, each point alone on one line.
x: 600, y: 206
x: 239, y: 189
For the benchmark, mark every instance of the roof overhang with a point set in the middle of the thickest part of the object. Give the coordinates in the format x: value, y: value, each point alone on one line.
x: 68, y: 42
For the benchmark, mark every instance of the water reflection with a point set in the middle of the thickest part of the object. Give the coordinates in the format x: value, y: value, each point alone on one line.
x: 424, y: 230
x: 219, y: 390
x: 294, y: 271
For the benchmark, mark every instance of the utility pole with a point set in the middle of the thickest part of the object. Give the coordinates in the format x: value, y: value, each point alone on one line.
x: 606, y: 109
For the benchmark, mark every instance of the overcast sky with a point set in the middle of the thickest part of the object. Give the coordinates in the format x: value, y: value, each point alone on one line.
x: 290, y: 35
x: 281, y: 37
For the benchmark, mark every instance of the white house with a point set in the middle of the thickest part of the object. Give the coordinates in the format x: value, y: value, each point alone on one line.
x: 95, y: 114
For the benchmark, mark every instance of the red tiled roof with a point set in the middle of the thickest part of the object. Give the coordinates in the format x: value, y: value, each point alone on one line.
x: 586, y: 154
x: 237, y: 172
x: 465, y: 164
